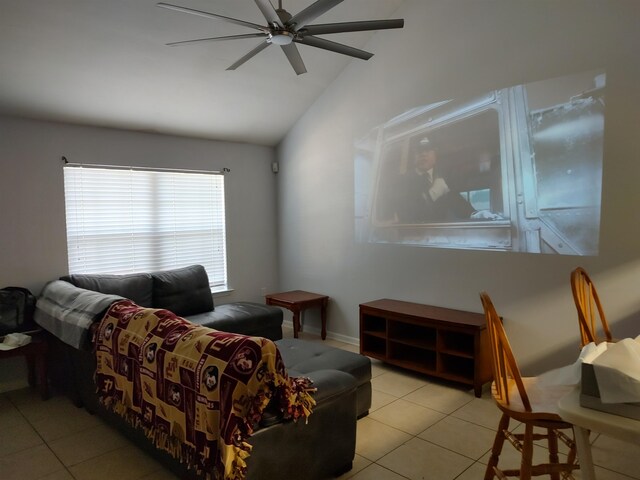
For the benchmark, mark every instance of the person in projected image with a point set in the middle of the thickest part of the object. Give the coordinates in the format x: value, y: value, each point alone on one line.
x: 424, y: 196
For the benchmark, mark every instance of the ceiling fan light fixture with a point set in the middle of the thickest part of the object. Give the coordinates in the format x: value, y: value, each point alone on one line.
x: 281, y: 38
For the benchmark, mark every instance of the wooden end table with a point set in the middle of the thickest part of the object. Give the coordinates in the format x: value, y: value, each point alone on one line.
x: 297, y: 301
x: 36, y: 354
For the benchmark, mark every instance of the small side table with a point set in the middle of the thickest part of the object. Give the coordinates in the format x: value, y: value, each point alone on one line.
x: 297, y: 301
x: 36, y: 354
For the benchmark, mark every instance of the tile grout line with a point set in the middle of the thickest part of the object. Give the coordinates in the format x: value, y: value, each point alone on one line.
x: 44, y: 441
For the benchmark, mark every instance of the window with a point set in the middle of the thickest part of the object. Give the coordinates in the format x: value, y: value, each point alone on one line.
x: 126, y: 220
x: 479, y: 199
x: 466, y: 156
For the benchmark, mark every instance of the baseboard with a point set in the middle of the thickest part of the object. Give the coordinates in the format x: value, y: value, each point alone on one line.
x: 332, y: 335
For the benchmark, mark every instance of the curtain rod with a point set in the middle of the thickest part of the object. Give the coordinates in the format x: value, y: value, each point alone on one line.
x: 153, y: 169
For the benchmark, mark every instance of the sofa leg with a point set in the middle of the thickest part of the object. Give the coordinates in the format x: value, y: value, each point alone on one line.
x: 344, y: 470
x: 77, y: 402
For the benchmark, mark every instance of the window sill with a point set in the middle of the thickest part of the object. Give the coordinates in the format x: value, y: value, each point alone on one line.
x: 221, y: 291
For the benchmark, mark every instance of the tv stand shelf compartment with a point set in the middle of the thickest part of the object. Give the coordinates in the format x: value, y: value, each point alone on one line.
x: 446, y: 343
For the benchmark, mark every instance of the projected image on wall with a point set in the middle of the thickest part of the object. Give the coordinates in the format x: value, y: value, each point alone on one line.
x: 515, y: 169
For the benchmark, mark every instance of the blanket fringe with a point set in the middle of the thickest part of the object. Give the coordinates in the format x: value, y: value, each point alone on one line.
x: 164, y: 440
x: 299, y: 400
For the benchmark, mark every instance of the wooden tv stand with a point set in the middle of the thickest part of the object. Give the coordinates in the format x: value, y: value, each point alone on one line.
x: 449, y: 344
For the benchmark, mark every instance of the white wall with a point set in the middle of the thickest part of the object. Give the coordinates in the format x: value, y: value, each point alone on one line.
x: 32, y: 217
x: 451, y: 49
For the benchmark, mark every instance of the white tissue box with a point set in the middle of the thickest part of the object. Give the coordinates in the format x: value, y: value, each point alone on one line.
x: 590, y: 397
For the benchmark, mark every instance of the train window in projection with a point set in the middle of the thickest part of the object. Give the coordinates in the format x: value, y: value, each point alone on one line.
x: 515, y: 169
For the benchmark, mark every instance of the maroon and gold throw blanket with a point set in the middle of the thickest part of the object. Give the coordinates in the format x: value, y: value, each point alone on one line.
x: 196, y: 392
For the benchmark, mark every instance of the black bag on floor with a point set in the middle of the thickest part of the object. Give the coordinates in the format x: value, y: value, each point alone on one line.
x: 17, y: 306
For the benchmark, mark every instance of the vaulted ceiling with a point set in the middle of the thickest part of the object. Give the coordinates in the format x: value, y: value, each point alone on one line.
x: 105, y: 63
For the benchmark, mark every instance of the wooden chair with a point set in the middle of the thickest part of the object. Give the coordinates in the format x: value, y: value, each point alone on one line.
x: 524, y: 400
x: 590, y: 313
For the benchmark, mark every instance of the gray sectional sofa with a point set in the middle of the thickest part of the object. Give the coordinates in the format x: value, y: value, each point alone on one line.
x: 322, y: 448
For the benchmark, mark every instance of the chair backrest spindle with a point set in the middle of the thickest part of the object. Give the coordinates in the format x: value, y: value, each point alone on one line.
x: 590, y: 312
x: 505, y: 367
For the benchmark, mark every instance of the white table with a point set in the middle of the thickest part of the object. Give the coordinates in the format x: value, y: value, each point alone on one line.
x: 586, y: 419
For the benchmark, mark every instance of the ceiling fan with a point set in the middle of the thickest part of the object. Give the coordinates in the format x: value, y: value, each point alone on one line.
x: 286, y: 30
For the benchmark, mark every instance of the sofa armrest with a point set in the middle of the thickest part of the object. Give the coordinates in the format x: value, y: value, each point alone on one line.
x: 322, y: 448
x: 329, y: 384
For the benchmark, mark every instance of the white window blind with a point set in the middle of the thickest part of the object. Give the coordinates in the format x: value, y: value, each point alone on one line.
x: 135, y: 220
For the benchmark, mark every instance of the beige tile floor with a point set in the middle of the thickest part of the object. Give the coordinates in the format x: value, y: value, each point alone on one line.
x: 418, y: 428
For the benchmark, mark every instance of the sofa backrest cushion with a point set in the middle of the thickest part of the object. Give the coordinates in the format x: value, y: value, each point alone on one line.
x: 184, y: 291
x: 135, y: 286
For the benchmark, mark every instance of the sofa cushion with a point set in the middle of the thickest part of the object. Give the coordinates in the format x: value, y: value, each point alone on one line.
x: 247, y: 318
x: 135, y: 286
x: 184, y: 291
x: 303, y: 357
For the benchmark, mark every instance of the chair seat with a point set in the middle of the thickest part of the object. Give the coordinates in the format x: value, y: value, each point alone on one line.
x: 543, y: 398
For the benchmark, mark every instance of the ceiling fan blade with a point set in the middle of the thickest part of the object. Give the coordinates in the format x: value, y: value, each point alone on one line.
x: 200, y: 13
x: 250, y: 55
x: 216, y: 39
x: 334, y: 47
x: 269, y: 12
x: 325, y: 28
x: 312, y: 12
x: 293, y: 55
